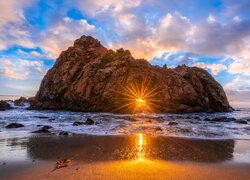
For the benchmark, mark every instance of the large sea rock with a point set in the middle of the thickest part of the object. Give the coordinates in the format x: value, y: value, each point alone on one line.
x: 88, y: 77
x: 4, y: 106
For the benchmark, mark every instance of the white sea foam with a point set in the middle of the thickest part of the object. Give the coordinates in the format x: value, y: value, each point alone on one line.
x: 126, y: 124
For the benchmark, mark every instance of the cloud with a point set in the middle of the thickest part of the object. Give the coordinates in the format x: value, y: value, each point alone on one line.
x: 131, y: 29
x: 62, y: 34
x: 34, y: 54
x: 11, y: 11
x: 144, y: 41
x: 241, y: 64
x: 14, y: 30
x: 211, y: 19
x: 28, y: 63
x: 172, y: 31
x: 20, y: 69
x: 238, y: 83
x: 215, y: 39
x: 175, y: 32
x: 215, y: 68
x: 237, y: 91
x: 39, y: 70
x: 94, y: 7
x: 12, y: 75
x: 126, y: 25
x: 25, y: 88
x: 125, y: 28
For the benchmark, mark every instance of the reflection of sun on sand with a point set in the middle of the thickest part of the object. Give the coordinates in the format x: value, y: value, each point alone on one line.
x: 141, y: 147
x: 138, y: 168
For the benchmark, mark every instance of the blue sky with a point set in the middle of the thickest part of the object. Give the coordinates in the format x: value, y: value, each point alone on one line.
x: 214, y: 35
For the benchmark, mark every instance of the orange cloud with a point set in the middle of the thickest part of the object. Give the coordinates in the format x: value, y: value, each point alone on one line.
x: 13, y: 75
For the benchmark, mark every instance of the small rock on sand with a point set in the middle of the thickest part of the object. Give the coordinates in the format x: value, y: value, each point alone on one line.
x: 47, y: 127
x: 172, y: 123
x: 98, y: 122
x: 41, y: 117
x: 157, y: 129
x: 241, y: 121
x: 42, y: 130
x: 89, y: 121
x: 14, y: 125
x: 63, y: 133
x: 131, y: 119
x: 78, y: 123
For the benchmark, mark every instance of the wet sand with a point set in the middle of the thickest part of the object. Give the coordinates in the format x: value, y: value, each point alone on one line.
x: 124, y: 157
x: 136, y: 169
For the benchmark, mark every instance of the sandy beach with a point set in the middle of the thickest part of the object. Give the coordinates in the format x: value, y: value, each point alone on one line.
x: 136, y: 169
x: 123, y: 157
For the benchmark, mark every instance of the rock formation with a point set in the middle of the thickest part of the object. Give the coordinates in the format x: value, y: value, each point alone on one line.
x: 4, y: 106
x: 20, y: 102
x: 88, y: 77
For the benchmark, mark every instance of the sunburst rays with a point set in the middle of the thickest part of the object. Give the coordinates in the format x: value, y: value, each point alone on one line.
x: 141, y: 96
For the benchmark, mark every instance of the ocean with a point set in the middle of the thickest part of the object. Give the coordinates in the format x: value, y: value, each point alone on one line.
x: 186, y: 125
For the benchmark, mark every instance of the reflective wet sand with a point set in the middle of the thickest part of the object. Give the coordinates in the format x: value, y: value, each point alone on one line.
x: 124, y: 157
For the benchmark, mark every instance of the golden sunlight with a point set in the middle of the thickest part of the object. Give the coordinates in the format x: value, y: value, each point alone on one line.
x: 140, y: 103
x: 140, y: 139
x: 141, y: 147
x: 140, y: 97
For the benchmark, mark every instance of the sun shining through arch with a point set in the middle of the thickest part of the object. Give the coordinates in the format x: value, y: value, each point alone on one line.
x: 140, y: 96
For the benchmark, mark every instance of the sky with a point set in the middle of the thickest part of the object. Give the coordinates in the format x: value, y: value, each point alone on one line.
x: 211, y: 34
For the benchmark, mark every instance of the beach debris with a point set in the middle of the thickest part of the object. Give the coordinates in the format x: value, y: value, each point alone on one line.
x: 89, y: 121
x: 65, y: 163
x: 63, y: 133
x: 157, y: 129
x: 98, y: 122
x: 157, y: 119
x: 41, y: 117
x: 148, y: 120
x: 41, y: 131
x: 172, y: 123
x: 14, y: 125
x: 44, y: 129
x: 78, y: 123
x: 241, y: 121
x: 47, y: 127
x: 130, y: 119
x: 160, y: 119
